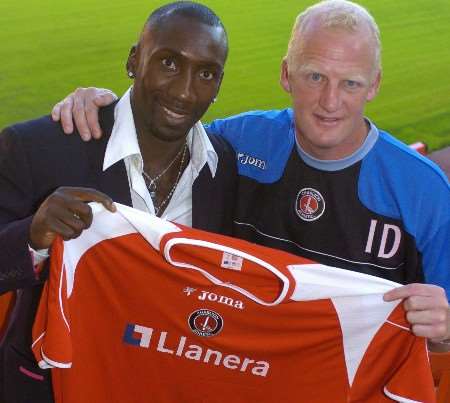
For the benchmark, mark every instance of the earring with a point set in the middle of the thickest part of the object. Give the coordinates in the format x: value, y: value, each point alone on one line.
x: 130, y: 74
x: 214, y: 100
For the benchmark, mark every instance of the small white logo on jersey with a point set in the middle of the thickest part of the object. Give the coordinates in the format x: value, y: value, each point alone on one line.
x: 246, y: 159
x: 230, y: 261
x: 309, y: 204
x: 189, y: 290
x: 212, y: 297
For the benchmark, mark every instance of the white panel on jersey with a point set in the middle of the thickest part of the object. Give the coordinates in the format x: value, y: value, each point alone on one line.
x: 317, y: 281
x: 361, y: 318
x: 152, y: 228
x: 107, y: 225
x: 357, y: 298
x: 102, y: 227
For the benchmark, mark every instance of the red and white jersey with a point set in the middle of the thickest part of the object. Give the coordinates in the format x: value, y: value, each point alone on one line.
x: 140, y: 310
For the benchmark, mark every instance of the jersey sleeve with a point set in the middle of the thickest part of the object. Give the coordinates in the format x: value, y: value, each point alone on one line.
x: 52, y: 345
x: 412, y: 381
x: 397, y: 361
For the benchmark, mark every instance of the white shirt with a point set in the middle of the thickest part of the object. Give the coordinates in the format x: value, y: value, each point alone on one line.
x: 123, y: 145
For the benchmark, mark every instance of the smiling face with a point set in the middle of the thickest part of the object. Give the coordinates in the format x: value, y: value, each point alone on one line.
x: 178, y: 68
x: 330, y: 76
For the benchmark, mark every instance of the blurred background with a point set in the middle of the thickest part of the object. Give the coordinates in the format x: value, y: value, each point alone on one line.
x: 49, y: 47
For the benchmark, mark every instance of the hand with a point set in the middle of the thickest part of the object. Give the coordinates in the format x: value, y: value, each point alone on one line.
x: 65, y: 213
x: 82, y: 107
x: 426, y: 307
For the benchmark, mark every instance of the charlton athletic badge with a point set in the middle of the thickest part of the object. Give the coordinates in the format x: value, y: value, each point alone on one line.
x: 204, y: 322
x: 309, y: 204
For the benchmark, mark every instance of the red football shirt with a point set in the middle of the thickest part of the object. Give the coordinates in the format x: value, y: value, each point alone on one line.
x: 138, y: 309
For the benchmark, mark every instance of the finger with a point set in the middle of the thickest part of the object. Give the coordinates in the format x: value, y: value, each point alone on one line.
x: 91, y: 195
x: 64, y: 230
x: 95, y: 99
x: 428, y: 317
x: 91, y: 108
x: 79, y: 115
x: 82, y: 211
x: 56, y: 112
x: 410, y: 290
x: 420, y: 303
x: 104, y: 97
x: 431, y: 332
x: 66, y: 114
x: 74, y: 222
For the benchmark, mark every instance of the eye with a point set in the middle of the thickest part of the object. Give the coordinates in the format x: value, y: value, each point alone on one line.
x: 316, y: 77
x: 351, y: 84
x: 206, y: 75
x: 169, y: 63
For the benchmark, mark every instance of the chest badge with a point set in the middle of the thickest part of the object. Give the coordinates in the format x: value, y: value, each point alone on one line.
x: 205, y: 323
x: 309, y: 204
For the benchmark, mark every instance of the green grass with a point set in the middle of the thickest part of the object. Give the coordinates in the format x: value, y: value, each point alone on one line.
x: 50, y: 47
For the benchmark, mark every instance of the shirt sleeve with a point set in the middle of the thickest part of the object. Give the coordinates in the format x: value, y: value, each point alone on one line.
x: 38, y: 256
x: 52, y: 346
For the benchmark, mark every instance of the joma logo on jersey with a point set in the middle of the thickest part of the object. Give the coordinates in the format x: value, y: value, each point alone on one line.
x: 210, y: 296
x: 161, y: 342
x: 246, y: 159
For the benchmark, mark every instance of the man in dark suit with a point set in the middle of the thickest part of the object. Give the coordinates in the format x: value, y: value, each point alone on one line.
x: 155, y: 156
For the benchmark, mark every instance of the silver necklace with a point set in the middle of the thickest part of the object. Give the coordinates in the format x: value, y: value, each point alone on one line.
x: 159, y: 208
x: 151, y: 183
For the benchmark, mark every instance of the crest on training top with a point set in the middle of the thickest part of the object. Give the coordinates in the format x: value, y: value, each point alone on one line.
x: 309, y: 204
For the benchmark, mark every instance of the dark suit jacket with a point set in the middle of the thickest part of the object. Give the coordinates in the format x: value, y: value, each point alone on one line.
x: 36, y: 157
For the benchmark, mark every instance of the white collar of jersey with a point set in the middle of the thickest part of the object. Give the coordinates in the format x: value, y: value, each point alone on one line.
x: 123, y: 142
x: 225, y: 249
x: 337, y: 165
x: 153, y: 229
x: 313, y: 276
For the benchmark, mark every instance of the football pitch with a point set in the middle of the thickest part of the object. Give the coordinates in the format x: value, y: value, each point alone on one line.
x: 49, y: 47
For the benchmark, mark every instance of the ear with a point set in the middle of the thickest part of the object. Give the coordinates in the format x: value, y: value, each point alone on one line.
x: 374, y: 87
x: 131, y: 65
x: 284, y: 76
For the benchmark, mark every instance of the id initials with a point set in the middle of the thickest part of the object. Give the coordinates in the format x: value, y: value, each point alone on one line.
x: 389, y: 231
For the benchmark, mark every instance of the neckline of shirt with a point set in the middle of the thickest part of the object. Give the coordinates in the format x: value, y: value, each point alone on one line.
x: 339, y: 164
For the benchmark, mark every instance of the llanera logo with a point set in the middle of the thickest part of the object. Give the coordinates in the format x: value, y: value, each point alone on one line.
x: 160, y: 341
x: 246, y: 159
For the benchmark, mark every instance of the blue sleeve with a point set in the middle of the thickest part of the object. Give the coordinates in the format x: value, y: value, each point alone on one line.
x: 262, y: 140
x: 399, y: 183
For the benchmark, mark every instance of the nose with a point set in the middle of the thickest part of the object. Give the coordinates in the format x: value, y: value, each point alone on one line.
x: 330, y: 97
x: 182, y: 88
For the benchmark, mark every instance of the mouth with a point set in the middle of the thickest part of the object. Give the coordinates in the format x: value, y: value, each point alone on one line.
x: 175, y: 115
x: 327, y: 120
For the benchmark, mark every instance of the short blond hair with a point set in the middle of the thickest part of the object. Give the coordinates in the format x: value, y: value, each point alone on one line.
x: 341, y: 14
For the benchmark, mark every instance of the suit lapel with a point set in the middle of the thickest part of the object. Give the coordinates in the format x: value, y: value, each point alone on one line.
x: 113, y: 181
x: 203, y: 192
